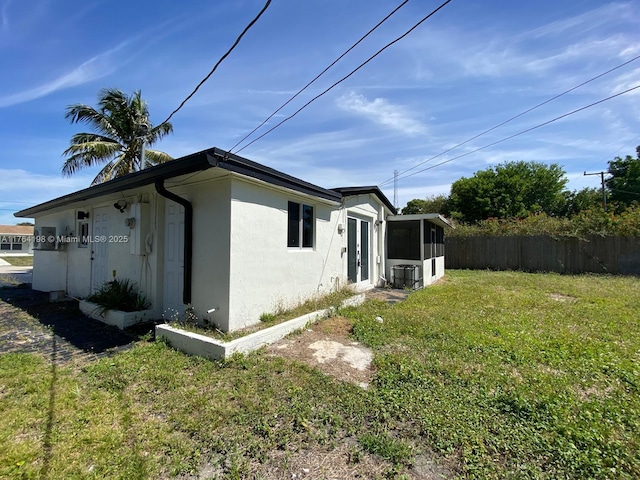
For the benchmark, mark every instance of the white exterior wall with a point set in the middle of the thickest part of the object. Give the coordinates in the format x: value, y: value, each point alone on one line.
x: 429, y: 277
x: 242, y: 266
x: 50, y: 266
x: 265, y: 274
x: 69, y: 268
x: 365, y: 207
x: 211, y: 220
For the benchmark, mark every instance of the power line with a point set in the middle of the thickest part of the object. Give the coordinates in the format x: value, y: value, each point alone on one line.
x: 523, y: 131
x: 623, y: 191
x: 246, y: 29
x: 321, y: 73
x: 346, y: 76
x: 514, y: 117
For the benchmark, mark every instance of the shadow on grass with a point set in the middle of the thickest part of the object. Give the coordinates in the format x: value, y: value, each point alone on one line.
x: 67, y: 322
x: 46, y: 441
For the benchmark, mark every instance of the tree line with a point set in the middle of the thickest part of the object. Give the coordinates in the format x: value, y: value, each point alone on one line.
x: 531, y: 197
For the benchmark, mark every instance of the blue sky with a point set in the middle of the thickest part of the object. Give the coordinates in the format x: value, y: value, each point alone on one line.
x: 471, y: 66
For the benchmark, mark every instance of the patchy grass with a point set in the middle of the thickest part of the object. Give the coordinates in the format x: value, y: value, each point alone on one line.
x: 503, y: 375
x: 26, y: 261
x: 9, y: 280
x: 515, y: 375
x: 280, y: 315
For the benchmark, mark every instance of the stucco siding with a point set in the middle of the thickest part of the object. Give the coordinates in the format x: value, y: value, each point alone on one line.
x: 365, y: 207
x: 210, y: 279
x: 50, y: 266
x: 69, y: 268
x: 265, y: 274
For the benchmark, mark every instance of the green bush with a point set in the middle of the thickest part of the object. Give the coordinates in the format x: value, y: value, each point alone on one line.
x: 591, y: 221
x: 119, y: 295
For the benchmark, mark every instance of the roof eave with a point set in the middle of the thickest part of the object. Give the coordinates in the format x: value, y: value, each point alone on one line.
x: 211, y: 158
x: 189, y: 164
x: 432, y: 217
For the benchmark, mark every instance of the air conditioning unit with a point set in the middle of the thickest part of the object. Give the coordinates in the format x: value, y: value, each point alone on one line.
x: 406, y: 276
x: 45, y: 238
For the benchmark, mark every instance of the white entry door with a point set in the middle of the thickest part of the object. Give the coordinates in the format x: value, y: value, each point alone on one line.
x: 173, y: 259
x: 358, y: 250
x: 99, y: 249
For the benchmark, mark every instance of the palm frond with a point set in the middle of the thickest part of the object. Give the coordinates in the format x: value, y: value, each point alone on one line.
x: 118, y: 167
x: 117, y: 140
x: 88, y: 154
x: 80, y: 113
x: 158, y: 132
x: 105, y: 174
x: 155, y: 157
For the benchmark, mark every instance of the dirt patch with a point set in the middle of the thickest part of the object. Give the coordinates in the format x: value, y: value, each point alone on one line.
x: 327, y: 346
x: 339, y: 463
x: 346, y: 461
x: 387, y: 295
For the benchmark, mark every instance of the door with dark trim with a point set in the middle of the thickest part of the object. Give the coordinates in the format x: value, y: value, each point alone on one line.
x: 358, y: 250
x: 100, y: 248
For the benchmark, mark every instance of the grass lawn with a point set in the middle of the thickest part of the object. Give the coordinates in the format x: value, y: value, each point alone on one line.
x: 19, y: 261
x: 498, y: 374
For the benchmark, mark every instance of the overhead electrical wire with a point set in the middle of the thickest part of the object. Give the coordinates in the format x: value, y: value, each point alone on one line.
x: 215, y: 67
x: 321, y: 73
x: 511, y: 119
x: 522, y: 132
x: 397, y: 39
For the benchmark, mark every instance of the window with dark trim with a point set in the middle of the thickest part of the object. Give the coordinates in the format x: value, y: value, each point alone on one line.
x: 300, y: 225
x: 10, y: 246
x: 83, y: 230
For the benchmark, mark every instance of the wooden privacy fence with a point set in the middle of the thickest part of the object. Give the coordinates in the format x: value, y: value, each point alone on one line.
x: 616, y: 255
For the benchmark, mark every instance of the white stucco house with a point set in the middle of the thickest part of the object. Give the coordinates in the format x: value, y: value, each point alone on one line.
x: 230, y: 237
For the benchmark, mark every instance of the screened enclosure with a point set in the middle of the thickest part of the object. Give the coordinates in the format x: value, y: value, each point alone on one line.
x: 415, y: 249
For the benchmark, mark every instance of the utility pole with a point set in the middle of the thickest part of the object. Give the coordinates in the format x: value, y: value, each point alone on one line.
x: 604, y: 193
x: 395, y: 188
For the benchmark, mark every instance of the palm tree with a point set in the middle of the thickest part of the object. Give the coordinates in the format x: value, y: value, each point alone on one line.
x: 121, y: 123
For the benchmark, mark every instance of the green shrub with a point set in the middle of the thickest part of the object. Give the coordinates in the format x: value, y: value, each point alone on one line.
x: 119, y: 295
x: 591, y: 221
x: 267, y: 317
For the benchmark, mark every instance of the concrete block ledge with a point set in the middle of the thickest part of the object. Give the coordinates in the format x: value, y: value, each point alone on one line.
x: 204, y: 346
x: 116, y: 318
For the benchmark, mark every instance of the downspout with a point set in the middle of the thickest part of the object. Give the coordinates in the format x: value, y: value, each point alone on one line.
x: 188, y: 236
x: 382, y: 247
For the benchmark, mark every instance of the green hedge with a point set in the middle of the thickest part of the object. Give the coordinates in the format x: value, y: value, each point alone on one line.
x: 594, y: 221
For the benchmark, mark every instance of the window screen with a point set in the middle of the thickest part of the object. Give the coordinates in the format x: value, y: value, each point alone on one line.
x: 403, y: 240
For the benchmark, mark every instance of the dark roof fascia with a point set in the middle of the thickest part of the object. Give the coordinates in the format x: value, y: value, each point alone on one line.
x: 189, y: 164
x: 352, y: 191
x: 213, y: 157
x: 243, y: 166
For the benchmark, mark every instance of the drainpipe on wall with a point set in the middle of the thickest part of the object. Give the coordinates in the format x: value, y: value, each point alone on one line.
x: 382, y: 248
x: 188, y: 236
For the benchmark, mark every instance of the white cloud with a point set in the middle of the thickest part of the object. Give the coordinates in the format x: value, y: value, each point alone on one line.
x: 611, y: 13
x: 383, y: 112
x: 97, y: 67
